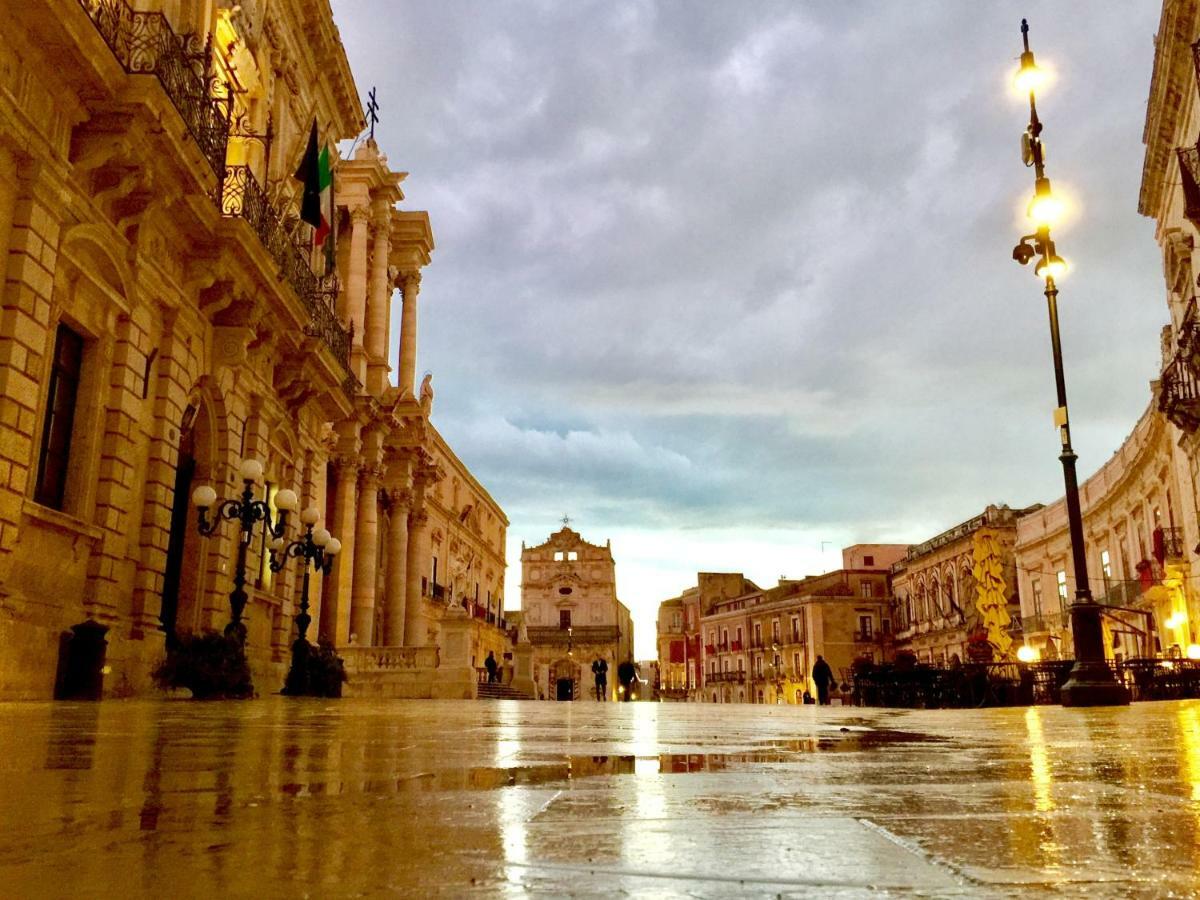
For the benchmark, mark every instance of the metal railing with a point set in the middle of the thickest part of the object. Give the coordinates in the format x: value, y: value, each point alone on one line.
x: 1172, y: 543
x: 1120, y: 593
x: 1189, y: 175
x: 1043, y: 622
x: 1179, y: 393
x: 731, y: 677
x: 243, y: 197
x: 144, y: 43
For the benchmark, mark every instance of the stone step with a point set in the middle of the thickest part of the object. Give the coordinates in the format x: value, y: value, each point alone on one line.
x: 500, y: 692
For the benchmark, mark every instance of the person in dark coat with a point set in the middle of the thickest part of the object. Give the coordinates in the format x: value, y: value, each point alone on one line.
x: 823, y: 676
x: 600, y: 673
x: 491, y: 665
x: 627, y: 675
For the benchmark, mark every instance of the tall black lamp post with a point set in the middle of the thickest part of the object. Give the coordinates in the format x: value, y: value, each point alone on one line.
x: 318, y: 550
x: 247, y: 512
x: 1091, y: 682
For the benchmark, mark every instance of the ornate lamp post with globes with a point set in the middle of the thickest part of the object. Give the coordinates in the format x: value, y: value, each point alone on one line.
x: 247, y: 512
x: 316, y: 548
x: 1091, y: 682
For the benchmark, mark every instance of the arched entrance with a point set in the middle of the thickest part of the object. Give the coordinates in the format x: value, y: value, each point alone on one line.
x: 183, y: 573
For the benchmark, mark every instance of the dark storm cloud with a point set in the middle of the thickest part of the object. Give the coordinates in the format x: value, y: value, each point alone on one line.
x: 746, y: 265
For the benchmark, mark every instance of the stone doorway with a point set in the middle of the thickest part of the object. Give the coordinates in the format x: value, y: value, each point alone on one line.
x: 182, y: 574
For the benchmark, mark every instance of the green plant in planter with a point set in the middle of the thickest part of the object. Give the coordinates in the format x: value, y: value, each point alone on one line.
x: 315, y: 671
x: 212, y: 666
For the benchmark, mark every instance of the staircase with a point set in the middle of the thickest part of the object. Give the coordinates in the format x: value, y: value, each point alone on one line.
x: 497, y: 691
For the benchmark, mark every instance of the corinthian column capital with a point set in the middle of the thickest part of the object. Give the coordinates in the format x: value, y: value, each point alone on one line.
x: 410, y: 281
x: 399, y: 498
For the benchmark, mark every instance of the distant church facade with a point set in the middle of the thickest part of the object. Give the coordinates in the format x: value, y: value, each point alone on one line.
x: 571, y: 613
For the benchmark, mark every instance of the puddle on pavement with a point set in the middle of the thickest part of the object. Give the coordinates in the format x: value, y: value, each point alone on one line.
x: 577, y: 767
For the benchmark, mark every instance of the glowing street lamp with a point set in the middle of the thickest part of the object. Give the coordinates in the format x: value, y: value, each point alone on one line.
x: 1091, y: 682
x: 317, y: 548
x: 247, y: 512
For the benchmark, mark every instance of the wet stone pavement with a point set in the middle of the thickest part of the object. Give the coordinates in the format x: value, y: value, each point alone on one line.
x: 281, y: 797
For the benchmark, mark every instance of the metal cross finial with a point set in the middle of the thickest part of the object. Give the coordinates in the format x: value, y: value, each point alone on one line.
x: 372, y: 111
x: 566, y: 520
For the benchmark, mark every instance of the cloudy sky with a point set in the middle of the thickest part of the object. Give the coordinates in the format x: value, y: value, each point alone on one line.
x: 730, y: 283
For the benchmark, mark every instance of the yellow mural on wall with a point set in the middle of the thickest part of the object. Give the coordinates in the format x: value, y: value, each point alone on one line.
x: 991, y: 591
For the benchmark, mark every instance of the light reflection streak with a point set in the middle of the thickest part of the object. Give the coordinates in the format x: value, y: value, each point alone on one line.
x: 511, y: 803
x: 1043, y: 784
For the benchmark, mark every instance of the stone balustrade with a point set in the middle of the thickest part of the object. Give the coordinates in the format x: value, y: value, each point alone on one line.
x: 364, y: 660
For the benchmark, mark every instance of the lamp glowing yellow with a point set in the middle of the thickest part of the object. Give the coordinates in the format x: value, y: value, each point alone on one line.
x: 1045, y: 209
x: 1055, y: 267
x: 1029, y: 77
x: 1193, y: 651
x: 1027, y: 654
x: 1175, y: 620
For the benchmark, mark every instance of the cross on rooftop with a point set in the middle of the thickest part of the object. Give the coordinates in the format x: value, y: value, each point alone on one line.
x: 566, y: 520
x: 372, y: 111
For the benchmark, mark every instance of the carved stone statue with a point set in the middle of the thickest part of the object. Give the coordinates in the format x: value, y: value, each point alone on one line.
x: 427, y: 393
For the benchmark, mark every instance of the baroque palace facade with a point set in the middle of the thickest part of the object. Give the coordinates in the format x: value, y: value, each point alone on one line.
x: 164, y: 319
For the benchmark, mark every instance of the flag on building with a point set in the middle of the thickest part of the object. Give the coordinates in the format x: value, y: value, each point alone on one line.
x: 316, y: 204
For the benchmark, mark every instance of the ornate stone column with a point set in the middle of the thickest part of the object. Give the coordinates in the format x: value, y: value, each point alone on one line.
x: 335, y: 607
x: 375, y: 339
x: 415, y: 631
x: 355, y: 291
x: 366, y: 538
x: 410, y: 285
x: 395, y: 596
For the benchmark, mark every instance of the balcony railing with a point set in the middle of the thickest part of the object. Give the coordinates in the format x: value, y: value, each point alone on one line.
x: 1171, y: 543
x: 732, y: 677
x: 868, y: 637
x: 145, y: 44
x: 243, y: 197
x: 1179, y: 394
x: 1043, y: 622
x: 1189, y: 176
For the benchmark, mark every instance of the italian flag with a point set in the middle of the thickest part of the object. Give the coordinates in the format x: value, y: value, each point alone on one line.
x: 316, y: 205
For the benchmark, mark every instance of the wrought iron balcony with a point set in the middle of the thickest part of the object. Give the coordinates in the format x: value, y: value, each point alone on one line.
x: 1170, y: 542
x: 1043, y: 623
x: 1120, y: 593
x: 243, y: 197
x: 144, y: 43
x: 1189, y: 176
x: 1179, y: 394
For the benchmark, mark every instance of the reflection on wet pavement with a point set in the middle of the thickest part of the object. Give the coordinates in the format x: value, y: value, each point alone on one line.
x: 285, y: 797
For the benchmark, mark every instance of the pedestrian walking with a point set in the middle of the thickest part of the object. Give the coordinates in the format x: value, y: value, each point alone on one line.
x: 822, y: 675
x: 627, y: 675
x: 491, y: 665
x: 600, y: 674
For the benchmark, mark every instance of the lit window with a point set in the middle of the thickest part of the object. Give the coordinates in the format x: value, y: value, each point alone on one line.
x: 572, y: 556
x: 1105, y: 564
x: 1037, y: 596
x: 1062, y: 588
x: 558, y: 556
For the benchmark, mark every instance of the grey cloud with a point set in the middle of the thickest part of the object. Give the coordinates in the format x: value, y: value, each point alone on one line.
x: 747, y: 265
